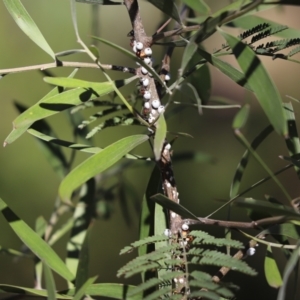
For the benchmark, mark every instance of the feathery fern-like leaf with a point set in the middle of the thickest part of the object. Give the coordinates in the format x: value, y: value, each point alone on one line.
x: 166, y: 278
x: 253, y: 30
x: 146, y: 241
x: 294, y: 51
x: 205, y: 238
x: 267, y: 33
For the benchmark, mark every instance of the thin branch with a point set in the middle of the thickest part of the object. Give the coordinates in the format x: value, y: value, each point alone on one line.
x: 238, y: 225
x: 70, y: 64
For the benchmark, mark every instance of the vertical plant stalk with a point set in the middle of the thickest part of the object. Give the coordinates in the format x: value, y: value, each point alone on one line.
x: 165, y: 163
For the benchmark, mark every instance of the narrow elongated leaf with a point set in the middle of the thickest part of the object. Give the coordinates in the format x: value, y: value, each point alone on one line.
x: 271, y: 270
x: 288, y: 230
x: 226, y: 69
x: 54, y: 104
x: 198, y: 5
x: 241, y: 117
x: 102, y: 2
x: 292, y: 142
x: 35, y: 243
x: 84, y: 288
x: 53, y: 153
x: 6, y: 288
x: 188, y: 53
x: 50, y: 283
x: 168, y: 7
x: 112, y: 290
x: 97, y: 164
x: 289, y: 267
x: 175, y: 207
x: 260, y: 81
x: 82, y: 147
x: 27, y: 25
x: 235, y: 185
x: 272, y: 208
x: 17, y: 132
x: 147, y: 214
x: 250, y: 21
x: 189, y: 91
x: 160, y: 136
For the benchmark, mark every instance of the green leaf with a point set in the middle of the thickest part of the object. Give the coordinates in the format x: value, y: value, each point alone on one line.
x: 271, y: 270
x: 236, y: 182
x: 54, y: 104
x: 198, y: 5
x: 190, y: 91
x: 97, y: 164
x: 160, y: 136
x: 289, y: 268
x: 272, y: 208
x: 84, y: 288
x: 102, y: 2
x: 17, y: 132
x: 27, y: 25
x: 226, y: 69
x: 53, y: 153
x: 37, y: 245
x: 175, y: 207
x: 292, y: 142
x: 6, y: 288
x: 188, y: 53
x: 241, y: 117
x: 112, y: 290
x: 288, y: 230
x: 50, y: 283
x: 147, y: 214
x: 168, y: 7
x: 260, y: 82
x: 250, y: 21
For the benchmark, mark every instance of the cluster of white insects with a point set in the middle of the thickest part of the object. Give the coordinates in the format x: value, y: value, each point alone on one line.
x: 152, y: 108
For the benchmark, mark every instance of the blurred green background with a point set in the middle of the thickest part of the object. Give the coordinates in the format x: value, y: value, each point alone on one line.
x: 29, y: 185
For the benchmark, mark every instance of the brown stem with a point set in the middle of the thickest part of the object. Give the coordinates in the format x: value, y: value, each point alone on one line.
x: 136, y: 21
x: 238, y: 225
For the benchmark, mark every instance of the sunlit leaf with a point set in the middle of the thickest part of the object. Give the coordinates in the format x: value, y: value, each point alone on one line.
x: 97, y: 164
x: 50, y: 283
x: 84, y: 288
x: 260, y: 81
x: 35, y: 243
x: 112, y: 290
x: 102, y: 2
x: 56, y: 103
x: 27, y: 25
x: 271, y: 270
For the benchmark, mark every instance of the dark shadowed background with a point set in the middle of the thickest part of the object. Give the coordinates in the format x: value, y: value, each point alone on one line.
x: 29, y: 185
